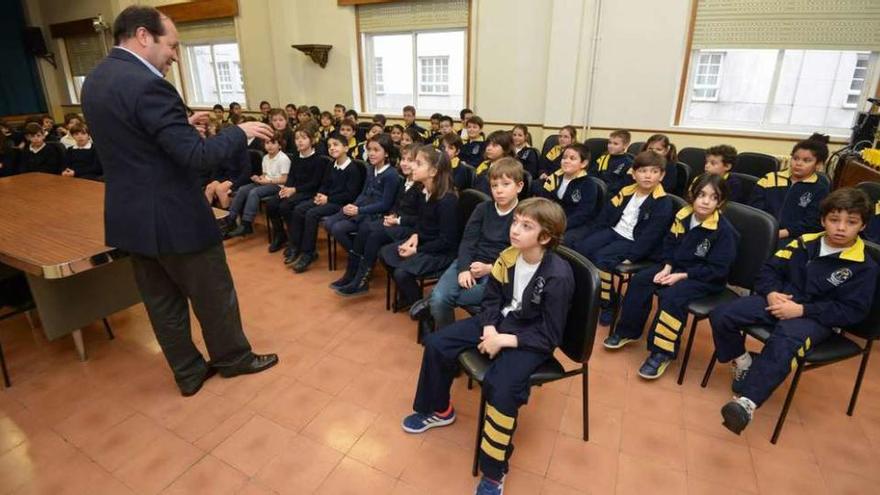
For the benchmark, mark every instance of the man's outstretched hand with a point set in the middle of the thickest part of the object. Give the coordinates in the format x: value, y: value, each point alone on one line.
x: 257, y: 130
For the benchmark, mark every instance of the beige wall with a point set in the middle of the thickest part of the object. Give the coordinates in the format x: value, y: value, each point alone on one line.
x: 530, y: 61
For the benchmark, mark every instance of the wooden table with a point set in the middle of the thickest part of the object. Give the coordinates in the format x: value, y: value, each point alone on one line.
x: 854, y: 171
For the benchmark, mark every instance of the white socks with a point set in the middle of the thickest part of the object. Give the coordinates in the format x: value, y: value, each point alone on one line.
x: 743, y: 362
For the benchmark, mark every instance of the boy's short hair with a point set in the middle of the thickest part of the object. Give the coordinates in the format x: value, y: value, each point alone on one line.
x: 436, y: 116
x: 475, y: 119
x: 463, y: 112
x: 380, y: 119
x: 649, y: 159
x: 290, y: 105
x: 32, y: 129
x: 327, y: 114
x: 78, y: 129
x: 339, y: 105
x: 622, y: 134
x: 348, y: 123
x: 277, y: 111
x: 409, y: 108
x: 452, y: 139
x: 264, y: 102
x: 725, y: 151
x: 850, y: 200
x: 70, y: 116
x: 507, y: 167
x: 309, y: 128
x: 581, y: 149
x: 218, y: 107
x: 351, y: 113
x: 278, y: 137
x: 817, y: 144
x: 549, y: 216
x: 447, y: 118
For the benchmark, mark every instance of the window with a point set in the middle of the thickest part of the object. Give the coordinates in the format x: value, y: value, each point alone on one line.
x: 425, y: 69
x: 212, y: 74
x: 798, y: 91
x: 434, y: 75
x: 83, y: 53
x: 708, y: 76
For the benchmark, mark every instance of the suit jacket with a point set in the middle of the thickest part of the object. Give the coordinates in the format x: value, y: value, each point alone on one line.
x: 152, y: 157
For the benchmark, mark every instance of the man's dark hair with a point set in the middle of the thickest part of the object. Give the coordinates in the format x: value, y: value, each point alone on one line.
x: 129, y: 20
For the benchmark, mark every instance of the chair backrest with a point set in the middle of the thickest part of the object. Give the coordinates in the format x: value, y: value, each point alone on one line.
x: 549, y: 142
x: 872, y: 189
x: 471, y: 173
x: 758, y: 235
x: 360, y: 132
x: 527, y: 186
x: 682, y: 178
x: 256, y: 157
x: 748, y: 183
x: 467, y: 202
x: 597, y: 146
x: 634, y: 148
x: 678, y: 202
x: 869, y: 328
x: 695, y: 158
x: 755, y: 164
x: 583, y: 315
x: 603, y: 192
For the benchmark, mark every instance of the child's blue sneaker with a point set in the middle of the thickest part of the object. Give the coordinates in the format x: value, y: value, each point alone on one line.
x: 489, y: 486
x: 419, y: 423
x: 654, y: 366
x: 615, y: 341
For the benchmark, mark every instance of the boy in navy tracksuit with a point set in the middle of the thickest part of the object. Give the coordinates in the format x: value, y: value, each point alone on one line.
x: 340, y: 186
x: 815, y: 284
x: 574, y: 191
x: 631, y: 226
x: 719, y: 161
x: 613, y: 167
x: 472, y: 150
x: 522, y: 321
x: 793, y: 195
x: 697, y: 255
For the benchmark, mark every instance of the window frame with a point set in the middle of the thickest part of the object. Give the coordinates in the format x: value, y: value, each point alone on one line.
x: 436, y: 84
x: 186, y: 68
x: 862, y: 56
x: 694, y: 86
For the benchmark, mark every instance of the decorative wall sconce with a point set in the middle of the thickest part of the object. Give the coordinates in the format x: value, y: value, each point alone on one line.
x: 318, y: 53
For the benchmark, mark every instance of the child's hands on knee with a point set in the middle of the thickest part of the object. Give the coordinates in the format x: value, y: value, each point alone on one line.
x: 466, y: 280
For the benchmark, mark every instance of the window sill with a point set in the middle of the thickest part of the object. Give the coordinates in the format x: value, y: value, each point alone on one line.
x: 754, y: 134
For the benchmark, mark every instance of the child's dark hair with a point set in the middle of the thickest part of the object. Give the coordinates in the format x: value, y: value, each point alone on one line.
x: 278, y: 137
x: 290, y: 105
x: 463, y: 112
x: 504, y: 139
x: 622, y: 134
x: 446, y: 118
x: 572, y: 131
x: 671, y: 153
x: 581, y: 149
x: 476, y: 120
x: 725, y: 151
x: 850, y: 200
x: 376, y: 124
x: 452, y: 139
x: 315, y: 111
x: 410, y: 150
x: 351, y: 114
x: 715, y: 181
x: 409, y: 108
x: 77, y: 129
x: 348, y: 123
x: 233, y: 105
x: 278, y: 111
x: 327, y: 114
x: 32, y: 129
x: 340, y: 106
x: 816, y: 144
x: 507, y: 167
x: 308, y: 128
x: 443, y: 183
x: 303, y: 109
x: 264, y: 102
x: 549, y: 216
x: 649, y: 159
x: 380, y: 119
x: 337, y: 136
x: 218, y: 107
x: 384, y: 140
x: 397, y: 127
x: 70, y: 116
x: 436, y: 116
x: 414, y: 135
x: 525, y: 130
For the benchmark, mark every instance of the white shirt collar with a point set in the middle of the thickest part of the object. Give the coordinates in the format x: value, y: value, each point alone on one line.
x: 306, y: 156
x: 88, y: 146
x: 344, y: 164
x: 382, y: 168
x: 503, y: 213
x: 150, y: 66
x: 37, y: 150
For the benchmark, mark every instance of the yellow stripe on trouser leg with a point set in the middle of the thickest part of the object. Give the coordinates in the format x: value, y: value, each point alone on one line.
x: 670, y: 321
x: 605, y: 276
x: 496, y: 436
x: 666, y: 332
x: 492, y: 451
x: 664, y: 344
x: 499, y: 418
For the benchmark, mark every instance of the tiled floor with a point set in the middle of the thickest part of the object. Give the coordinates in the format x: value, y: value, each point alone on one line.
x: 326, y: 420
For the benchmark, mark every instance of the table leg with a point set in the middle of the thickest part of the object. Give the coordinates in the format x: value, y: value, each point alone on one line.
x: 78, y: 342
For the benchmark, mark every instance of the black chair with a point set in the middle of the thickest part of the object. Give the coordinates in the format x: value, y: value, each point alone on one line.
x: 755, y: 164
x: 682, y: 179
x: 471, y: 173
x: 872, y: 189
x: 836, y: 348
x: 597, y: 146
x: 748, y: 184
x: 360, y: 132
x: 695, y: 158
x: 757, y: 241
x: 603, y: 192
x: 577, y: 343
x: 634, y: 148
x: 549, y: 142
x: 256, y: 158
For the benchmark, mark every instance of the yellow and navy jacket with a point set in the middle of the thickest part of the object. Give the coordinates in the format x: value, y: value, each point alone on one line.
x: 836, y: 290
x: 655, y: 217
x: 872, y: 233
x: 705, y: 252
x: 795, y: 205
x: 550, y: 162
x: 434, y: 139
x: 421, y: 130
x: 357, y: 151
x: 461, y: 177
x: 540, y: 321
x: 613, y: 170
x: 481, y: 180
x: 528, y: 156
x: 326, y: 131
x: 580, y: 200
x: 472, y: 151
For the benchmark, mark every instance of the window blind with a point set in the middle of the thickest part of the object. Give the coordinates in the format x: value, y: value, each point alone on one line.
x: 83, y: 53
x: 413, y: 16
x: 209, y: 31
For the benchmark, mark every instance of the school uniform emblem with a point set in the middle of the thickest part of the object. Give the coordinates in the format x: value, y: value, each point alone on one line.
x: 839, y: 276
x: 525, y: 154
x: 703, y: 249
x: 576, y: 196
x: 619, y: 169
x: 475, y: 151
x: 538, y: 291
x: 805, y: 200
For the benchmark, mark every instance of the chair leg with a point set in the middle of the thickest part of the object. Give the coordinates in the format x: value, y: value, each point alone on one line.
x: 585, y: 378
x: 470, y: 383
x: 480, y: 419
x: 268, y: 225
x: 687, y: 351
x: 788, y: 399
x: 108, y: 329
x: 330, y: 258
x: 709, y: 369
x: 387, y: 290
x: 6, y: 380
x: 862, y: 367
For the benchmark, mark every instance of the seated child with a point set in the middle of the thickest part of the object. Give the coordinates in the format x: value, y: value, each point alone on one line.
x: 815, y: 284
x: 82, y: 158
x: 359, y: 152
x: 475, y: 144
x: 697, y: 255
x: 719, y: 160
x: 246, y: 203
x: 39, y: 156
x: 278, y: 120
x: 396, y: 134
x: 522, y: 321
x: 340, y: 186
x: 498, y: 145
x: 486, y: 234
x: 338, y: 114
x: 793, y: 195
x: 327, y: 126
x: 433, y: 245
x: 463, y: 116
x: 409, y: 122
x: 522, y: 149
x: 551, y: 160
x: 576, y: 193
x: 451, y: 145
x: 411, y: 135
x: 631, y: 226
x: 435, y: 128
x: 613, y: 167
x: 445, y: 127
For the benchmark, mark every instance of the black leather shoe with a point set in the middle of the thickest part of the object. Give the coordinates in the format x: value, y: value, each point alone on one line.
x: 277, y: 243
x: 189, y: 391
x: 253, y: 364
x: 420, y: 309
x: 291, y: 257
x: 303, y: 262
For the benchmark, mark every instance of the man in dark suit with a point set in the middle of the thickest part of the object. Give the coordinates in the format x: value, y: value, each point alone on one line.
x: 153, y: 206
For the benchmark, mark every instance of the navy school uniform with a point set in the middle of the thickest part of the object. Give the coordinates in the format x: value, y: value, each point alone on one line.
x: 49, y: 159
x: 705, y: 252
x: 373, y: 234
x: 794, y: 204
x: 606, y: 248
x: 835, y: 290
x: 306, y: 175
x: 438, y: 234
x: 872, y: 232
x: 326, y: 131
x: 472, y: 151
x: 614, y: 171
x: 341, y: 186
x: 550, y: 162
x: 579, y: 201
x: 528, y: 156
x: 357, y: 151
x: 460, y: 175
x: 376, y: 198
x: 419, y: 129
x: 481, y: 180
x: 84, y: 162
x: 538, y: 323
x: 434, y: 139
